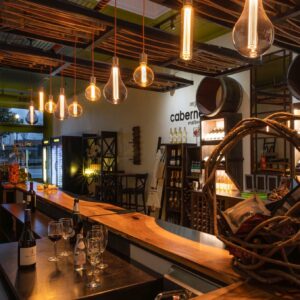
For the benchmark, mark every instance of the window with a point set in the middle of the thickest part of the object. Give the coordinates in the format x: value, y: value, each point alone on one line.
x: 17, y: 116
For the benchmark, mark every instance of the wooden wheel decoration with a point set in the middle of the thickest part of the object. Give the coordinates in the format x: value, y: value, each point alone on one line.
x: 270, y: 261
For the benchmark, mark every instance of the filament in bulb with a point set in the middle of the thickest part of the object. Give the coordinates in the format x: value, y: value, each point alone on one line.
x: 144, y: 73
x: 252, y: 27
x: 116, y: 83
x: 187, y: 27
x: 93, y: 92
x: 75, y: 109
x: 41, y: 100
x: 50, y: 106
x: 31, y: 114
x: 61, y: 106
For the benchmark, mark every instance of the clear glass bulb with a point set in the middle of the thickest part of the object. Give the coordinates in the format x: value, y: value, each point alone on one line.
x: 253, y: 34
x: 143, y: 75
x: 115, y: 90
x: 50, y: 106
x: 75, y: 109
x: 41, y: 99
x: 92, y: 92
x: 61, y: 111
x: 187, y: 30
x: 31, y: 117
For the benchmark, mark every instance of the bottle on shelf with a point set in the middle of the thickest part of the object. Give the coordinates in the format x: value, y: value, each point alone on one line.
x: 179, y: 137
x: 31, y: 198
x: 184, y: 135
x: 27, y: 245
x: 179, y: 180
x: 178, y: 157
x: 175, y: 136
x: 172, y: 161
x: 172, y: 179
x: 171, y: 136
x: 79, y: 253
x: 175, y: 200
x: 171, y: 200
x: 77, y: 221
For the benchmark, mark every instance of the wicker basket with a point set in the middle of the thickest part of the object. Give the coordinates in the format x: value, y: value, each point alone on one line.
x: 270, y: 261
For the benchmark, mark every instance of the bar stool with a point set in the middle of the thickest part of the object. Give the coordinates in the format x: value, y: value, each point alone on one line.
x: 138, y: 182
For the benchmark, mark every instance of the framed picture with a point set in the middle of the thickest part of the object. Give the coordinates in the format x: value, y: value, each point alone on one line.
x: 261, y: 183
x: 249, y: 182
x: 272, y: 183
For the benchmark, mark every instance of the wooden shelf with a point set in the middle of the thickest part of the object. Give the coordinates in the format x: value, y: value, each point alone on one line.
x: 210, y: 143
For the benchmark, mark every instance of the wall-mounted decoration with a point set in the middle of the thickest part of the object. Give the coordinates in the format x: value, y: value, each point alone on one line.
x: 136, y: 143
x: 261, y: 183
x: 249, y: 182
x: 272, y: 183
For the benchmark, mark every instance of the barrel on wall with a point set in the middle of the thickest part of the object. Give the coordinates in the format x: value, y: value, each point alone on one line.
x: 217, y: 95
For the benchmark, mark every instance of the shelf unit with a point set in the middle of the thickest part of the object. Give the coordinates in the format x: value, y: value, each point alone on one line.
x: 270, y: 94
x: 215, y: 128
x: 175, y: 197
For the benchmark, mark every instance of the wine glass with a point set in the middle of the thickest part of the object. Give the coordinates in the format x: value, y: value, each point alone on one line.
x: 67, y: 225
x: 103, y: 243
x: 93, y: 253
x: 55, y: 231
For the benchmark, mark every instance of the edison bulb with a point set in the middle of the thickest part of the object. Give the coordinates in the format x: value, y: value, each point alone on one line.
x: 143, y: 75
x: 92, y: 92
x: 75, y: 109
x: 115, y: 91
x: 253, y: 34
x: 61, y: 111
x: 187, y: 31
x: 50, y: 106
x: 31, y: 117
x: 41, y: 99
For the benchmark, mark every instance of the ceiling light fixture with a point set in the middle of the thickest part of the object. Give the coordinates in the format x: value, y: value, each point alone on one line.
x: 187, y: 31
x: 31, y: 117
x: 92, y: 92
x: 75, y: 109
x: 50, y: 105
x: 115, y: 91
x: 61, y: 111
x: 143, y: 75
x: 253, y: 34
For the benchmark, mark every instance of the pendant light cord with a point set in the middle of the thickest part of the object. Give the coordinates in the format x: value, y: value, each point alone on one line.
x: 50, y: 83
x: 62, y: 73
x: 144, y: 4
x: 115, y: 13
x: 93, y: 49
x: 75, y: 66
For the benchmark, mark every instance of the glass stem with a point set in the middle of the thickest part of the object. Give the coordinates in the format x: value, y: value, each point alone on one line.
x: 94, y: 274
x: 102, y: 258
x: 65, y: 245
x: 55, y: 250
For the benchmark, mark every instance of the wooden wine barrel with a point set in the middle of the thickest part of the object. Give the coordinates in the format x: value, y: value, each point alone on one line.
x: 217, y: 95
x: 293, y: 77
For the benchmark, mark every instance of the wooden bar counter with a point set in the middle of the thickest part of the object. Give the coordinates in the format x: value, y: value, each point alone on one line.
x: 145, y: 232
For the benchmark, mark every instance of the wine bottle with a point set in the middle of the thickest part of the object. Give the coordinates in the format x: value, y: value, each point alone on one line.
x: 173, y: 158
x: 31, y: 198
x: 77, y: 221
x: 27, y: 245
x: 178, y: 157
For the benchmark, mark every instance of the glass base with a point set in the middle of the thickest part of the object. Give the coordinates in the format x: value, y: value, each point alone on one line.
x: 53, y: 258
x: 65, y: 253
x: 93, y: 284
x: 102, y: 266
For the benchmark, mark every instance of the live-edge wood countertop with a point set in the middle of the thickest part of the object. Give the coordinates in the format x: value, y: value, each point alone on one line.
x: 144, y: 231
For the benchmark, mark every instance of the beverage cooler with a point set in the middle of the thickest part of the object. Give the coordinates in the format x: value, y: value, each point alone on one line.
x: 62, y: 163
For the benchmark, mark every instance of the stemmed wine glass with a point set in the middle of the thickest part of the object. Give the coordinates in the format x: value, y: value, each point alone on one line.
x: 103, y: 243
x: 55, y: 231
x: 67, y: 225
x: 93, y: 253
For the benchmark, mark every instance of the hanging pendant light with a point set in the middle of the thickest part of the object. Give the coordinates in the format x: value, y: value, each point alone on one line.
x: 143, y: 75
x: 253, y: 34
x: 41, y: 99
x: 50, y: 105
x: 61, y: 111
x: 75, y: 109
x: 31, y: 117
x: 92, y: 92
x: 187, y: 30
x: 115, y: 90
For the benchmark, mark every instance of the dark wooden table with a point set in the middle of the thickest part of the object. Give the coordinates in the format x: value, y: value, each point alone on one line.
x: 121, y: 280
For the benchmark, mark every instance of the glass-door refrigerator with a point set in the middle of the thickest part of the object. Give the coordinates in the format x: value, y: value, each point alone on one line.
x: 46, y: 161
x: 66, y: 163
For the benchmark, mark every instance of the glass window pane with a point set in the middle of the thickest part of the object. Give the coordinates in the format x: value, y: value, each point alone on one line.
x: 18, y: 115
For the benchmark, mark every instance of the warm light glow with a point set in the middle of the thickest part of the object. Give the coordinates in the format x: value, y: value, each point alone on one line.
x: 115, y: 90
x: 50, y: 106
x: 143, y: 75
x: 41, y: 99
x: 267, y: 129
x: 31, y: 117
x: 61, y: 111
x: 75, y: 109
x: 253, y: 34
x: 92, y: 92
x: 187, y: 22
